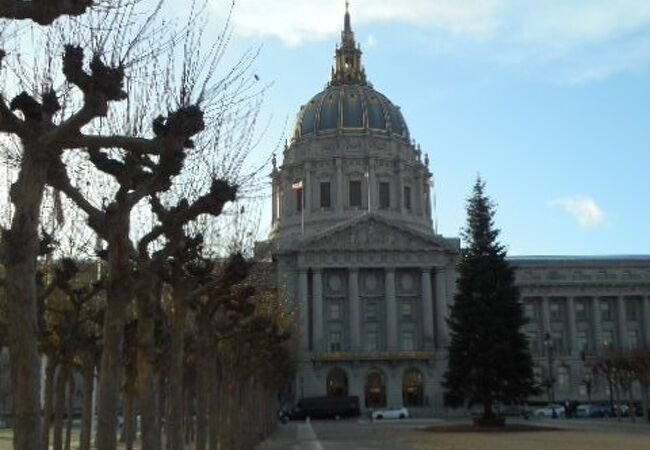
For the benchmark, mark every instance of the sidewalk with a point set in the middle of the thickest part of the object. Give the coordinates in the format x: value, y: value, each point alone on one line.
x: 292, y: 436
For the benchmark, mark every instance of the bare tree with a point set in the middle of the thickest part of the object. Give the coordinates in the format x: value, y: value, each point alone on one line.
x: 43, y: 121
x: 43, y: 12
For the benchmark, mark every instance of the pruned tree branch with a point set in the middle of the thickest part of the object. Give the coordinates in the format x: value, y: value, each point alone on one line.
x: 43, y: 12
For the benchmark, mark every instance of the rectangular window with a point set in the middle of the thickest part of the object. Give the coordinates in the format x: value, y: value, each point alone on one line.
x: 556, y: 311
x: 558, y: 342
x: 563, y: 378
x: 408, y: 340
x: 605, y: 310
x: 371, y: 311
x: 335, y: 311
x: 407, y: 310
x: 583, y: 341
x: 298, y: 199
x: 533, y: 342
x: 384, y: 195
x: 632, y: 339
x: 372, y: 339
x: 407, y: 198
x: 608, y: 338
x: 335, y: 340
x: 529, y: 311
x: 325, y: 195
x: 632, y: 308
x: 581, y: 310
x: 355, y: 194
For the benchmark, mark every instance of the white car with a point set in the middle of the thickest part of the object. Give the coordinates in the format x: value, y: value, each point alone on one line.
x: 390, y: 413
x: 547, y: 411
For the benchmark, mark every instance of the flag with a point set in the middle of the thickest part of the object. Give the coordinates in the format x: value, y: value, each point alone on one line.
x: 297, y: 186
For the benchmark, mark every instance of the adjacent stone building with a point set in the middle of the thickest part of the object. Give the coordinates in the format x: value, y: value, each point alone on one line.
x: 354, y: 245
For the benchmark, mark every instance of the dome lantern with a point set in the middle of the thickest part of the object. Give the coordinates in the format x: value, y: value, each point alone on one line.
x: 347, y: 67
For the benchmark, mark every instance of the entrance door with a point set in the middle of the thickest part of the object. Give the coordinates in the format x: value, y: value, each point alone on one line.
x: 375, y: 389
x: 337, y: 383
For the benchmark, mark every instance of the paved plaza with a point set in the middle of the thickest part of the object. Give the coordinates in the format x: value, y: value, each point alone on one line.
x: 410, y: 435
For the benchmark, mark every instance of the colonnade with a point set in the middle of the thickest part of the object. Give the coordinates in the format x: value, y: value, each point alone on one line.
x: 433, y: 330
x: 595, y: 319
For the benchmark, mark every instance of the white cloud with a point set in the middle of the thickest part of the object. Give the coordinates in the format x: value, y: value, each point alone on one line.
x: 371, y: 41
x: 295, y: 22
x: 580, y: 40
x: 583, y: 209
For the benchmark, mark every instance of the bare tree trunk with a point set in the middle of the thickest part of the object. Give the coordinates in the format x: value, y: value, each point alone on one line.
x: 59, y: 407
x: 161, y: 401
x: 644, y: 400
x: 203, y: 394
x: 176, y: 370
x: 149, y: 431
x: 20, y: 247
x: 68, y: 429
x: 119, y: 295
x: 128, y: 435
x: 215, y: 407
x: 188, y: 411
x: 88, y: 371
x: 50, y: 371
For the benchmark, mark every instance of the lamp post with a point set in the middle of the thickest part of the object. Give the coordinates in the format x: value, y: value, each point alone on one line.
x: 548, y: 342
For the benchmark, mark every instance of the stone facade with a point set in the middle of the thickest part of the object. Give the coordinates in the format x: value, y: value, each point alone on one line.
x: 354, y: 246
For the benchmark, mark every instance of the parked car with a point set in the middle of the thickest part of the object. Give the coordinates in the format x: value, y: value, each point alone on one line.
x: 513, y: 411
x: 593, y: 410
x: 552, y: 410
x: 390, y: 413
x: 325, y: 407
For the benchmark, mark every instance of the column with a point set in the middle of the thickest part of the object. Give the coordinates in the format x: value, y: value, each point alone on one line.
x: 546, y: 314
x: 646, y: 319
x: 391, y: 310
x: 442, y: 334
x: 427, y: 309
x: 427, y: 199
x: 573, y: 338
x: 621, y: 321
x: 355, y: 325
x: 274, y: 200
x: 423, y: 197
x: 304, y: 309
x: 400, y: 187
x: 597, y: 322
x: 339, y: 185
x: 317, y: 313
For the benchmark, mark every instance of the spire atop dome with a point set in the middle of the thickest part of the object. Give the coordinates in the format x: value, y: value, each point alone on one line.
x: 347, y: 67
x: 347, y: 28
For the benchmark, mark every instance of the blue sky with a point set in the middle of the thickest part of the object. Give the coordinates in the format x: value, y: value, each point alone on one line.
x: 548, y: 100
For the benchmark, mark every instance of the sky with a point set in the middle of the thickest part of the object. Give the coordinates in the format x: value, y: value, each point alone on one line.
x: 548, y: 100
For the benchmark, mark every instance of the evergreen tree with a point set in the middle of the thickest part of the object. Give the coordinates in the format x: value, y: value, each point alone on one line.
x: 489, y: 358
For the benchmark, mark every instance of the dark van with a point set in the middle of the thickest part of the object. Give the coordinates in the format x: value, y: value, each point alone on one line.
x: 326, y: 407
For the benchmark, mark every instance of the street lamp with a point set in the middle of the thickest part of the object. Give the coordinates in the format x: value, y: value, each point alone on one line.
x: 548, y: 342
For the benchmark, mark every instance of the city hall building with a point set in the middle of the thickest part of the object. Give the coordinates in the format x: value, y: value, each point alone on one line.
x: 353, y: 244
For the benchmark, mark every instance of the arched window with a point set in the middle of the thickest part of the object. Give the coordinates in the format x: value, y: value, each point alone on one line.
x: 413, y: 388
x: 337, y: 383
x: 375, y: 389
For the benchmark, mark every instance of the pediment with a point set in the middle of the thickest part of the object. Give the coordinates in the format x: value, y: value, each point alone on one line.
x: 373, y: 233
